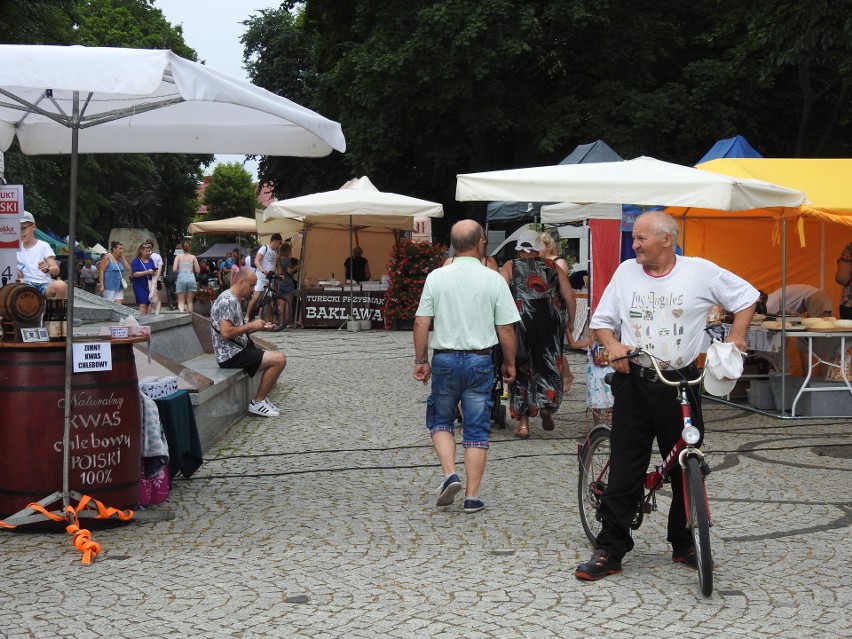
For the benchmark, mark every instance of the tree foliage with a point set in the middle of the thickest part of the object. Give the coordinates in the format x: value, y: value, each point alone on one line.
x: 427, y: 89
x: 230, y: 193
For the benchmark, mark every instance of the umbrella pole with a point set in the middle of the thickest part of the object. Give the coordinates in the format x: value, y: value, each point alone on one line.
x: 69, y: 340
x: 29, y: 515
x: 297, y: 307
x: 351, y: 272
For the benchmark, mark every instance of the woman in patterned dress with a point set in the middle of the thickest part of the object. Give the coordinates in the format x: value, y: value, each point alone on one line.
x: 543, y: 295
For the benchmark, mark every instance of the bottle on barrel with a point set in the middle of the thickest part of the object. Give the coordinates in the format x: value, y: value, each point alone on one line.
x: 63, y: 317
x: 53, y: 319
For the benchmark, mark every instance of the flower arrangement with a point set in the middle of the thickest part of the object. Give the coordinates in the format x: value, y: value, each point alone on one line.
x: 205, y: 294
x: 410, y: 263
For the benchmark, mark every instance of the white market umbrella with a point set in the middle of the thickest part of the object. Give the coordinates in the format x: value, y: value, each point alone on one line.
x: 357, y: 203
x: 644, y: 181
x: 73, y: 99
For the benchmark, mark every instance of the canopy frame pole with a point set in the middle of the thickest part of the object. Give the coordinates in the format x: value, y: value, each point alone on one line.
x: 298, y: 305
x: 69, y: 340
x: 783, y: 314
x: 351, y: 273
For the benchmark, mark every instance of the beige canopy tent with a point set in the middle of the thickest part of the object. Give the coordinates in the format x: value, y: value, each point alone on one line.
x: 228, y: 226
x: 374, y: 218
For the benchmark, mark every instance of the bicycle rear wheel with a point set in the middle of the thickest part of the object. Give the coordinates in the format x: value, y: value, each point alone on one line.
x: 593, y: 477
x: 698, y: 520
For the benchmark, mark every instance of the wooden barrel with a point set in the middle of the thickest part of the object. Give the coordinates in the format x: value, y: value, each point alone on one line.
x: 21, y: 303
x: 105, y: 427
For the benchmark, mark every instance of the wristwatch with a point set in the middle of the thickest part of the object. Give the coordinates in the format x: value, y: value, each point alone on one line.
x: 421, y: 361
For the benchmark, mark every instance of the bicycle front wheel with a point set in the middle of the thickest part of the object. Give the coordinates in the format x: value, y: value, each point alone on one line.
x: 266, y: 310
x: 593, y: 477
x: 699, y: 522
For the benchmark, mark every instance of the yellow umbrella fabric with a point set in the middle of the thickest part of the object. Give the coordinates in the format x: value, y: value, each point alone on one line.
x: 749, y: 242
x: 826, y: 182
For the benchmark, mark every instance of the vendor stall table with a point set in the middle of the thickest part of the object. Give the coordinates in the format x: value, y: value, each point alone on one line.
x: 821, y: 347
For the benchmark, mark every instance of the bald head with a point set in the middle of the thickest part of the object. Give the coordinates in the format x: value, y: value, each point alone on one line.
x: 465, y: 236
x: 243, y: 274
x: 242, y: 282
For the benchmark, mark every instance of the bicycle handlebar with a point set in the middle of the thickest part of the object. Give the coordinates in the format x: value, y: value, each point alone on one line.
x: 638, y: 352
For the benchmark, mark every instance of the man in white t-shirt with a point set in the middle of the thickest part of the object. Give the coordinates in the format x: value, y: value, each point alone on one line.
x: 265, y: 262
x: 37, y: 261
x: 659, y: 302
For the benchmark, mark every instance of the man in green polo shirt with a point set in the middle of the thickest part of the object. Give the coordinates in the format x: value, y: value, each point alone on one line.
x: 473, y: 309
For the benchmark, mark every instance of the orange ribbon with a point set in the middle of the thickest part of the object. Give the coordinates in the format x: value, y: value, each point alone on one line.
x: 81, y: 538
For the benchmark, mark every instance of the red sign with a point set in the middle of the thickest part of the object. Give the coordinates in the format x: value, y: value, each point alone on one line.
x: 11, y: 205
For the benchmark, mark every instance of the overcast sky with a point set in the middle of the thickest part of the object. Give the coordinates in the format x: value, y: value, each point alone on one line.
x: 213, y: 29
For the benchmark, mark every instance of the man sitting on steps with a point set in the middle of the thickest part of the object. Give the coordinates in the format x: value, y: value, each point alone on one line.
x: 233, y: 346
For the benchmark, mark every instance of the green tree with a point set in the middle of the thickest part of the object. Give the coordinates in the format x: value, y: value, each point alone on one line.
x: 279, y: 56
x: 230, y: 192
x: 38, y: 21
x: 796, y: 69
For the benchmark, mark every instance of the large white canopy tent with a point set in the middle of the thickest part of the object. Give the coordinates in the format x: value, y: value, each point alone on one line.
x: 643, y: 181
x: 74, y: 99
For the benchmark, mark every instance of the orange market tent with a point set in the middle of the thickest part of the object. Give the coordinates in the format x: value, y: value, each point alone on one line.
x: 797, y: 245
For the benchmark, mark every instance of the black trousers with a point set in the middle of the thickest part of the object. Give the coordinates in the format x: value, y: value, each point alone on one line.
x: 642, y: 411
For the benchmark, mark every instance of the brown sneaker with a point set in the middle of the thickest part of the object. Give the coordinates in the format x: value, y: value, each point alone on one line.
x: 601, y: 564
x: 687, y: 557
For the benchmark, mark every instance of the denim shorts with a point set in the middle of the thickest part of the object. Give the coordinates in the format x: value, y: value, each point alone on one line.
x: 41, y: 286
x: 185, y: 285
x: 467, y: 378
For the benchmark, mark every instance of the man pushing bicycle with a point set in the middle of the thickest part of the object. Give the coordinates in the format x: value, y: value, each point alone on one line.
x: 658, y: 302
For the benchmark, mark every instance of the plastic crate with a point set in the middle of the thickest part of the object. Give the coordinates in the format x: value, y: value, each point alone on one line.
x: 825, y: 404
x: 760, y: 394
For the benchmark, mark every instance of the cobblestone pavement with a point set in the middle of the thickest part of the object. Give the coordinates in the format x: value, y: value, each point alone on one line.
x: 322, y: 523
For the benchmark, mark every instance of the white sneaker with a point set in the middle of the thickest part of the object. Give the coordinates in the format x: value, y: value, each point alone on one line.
x: 271, y: 405
x: 262, y: 408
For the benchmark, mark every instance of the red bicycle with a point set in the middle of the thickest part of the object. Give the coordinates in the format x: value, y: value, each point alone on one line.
x: 594, y: 459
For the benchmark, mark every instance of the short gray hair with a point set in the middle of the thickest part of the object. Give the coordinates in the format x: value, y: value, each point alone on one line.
x: 662, y: 223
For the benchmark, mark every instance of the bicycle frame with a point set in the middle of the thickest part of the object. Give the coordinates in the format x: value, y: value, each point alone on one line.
x: 685, y: 445
x: 268, y: 295
x: 681, y: 451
